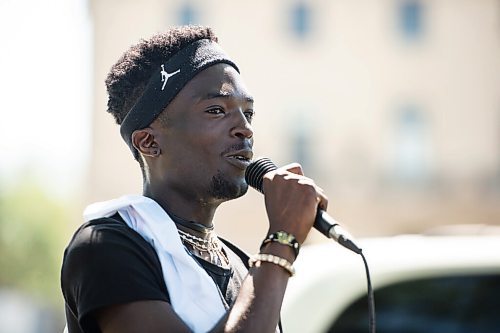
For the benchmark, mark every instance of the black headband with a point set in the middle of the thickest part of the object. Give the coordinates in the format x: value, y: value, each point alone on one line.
x: 168, y: 80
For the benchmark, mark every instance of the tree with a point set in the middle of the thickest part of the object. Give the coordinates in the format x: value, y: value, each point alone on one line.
x: 33, y: 233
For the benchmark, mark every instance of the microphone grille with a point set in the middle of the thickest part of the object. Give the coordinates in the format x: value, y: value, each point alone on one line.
x: 256, y: 170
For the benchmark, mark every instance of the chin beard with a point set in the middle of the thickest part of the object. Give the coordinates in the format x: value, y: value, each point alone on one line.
x: 223, y: 188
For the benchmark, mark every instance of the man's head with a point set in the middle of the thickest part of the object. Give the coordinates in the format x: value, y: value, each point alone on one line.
x: 197, y: 141
x: 128, y: 79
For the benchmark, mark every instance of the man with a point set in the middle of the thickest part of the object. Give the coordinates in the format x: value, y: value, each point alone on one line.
x: 153, y: 263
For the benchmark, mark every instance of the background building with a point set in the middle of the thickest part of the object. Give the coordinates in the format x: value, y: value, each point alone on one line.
x: 392, y: 106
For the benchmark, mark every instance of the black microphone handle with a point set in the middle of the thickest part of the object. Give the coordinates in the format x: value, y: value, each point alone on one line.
x: 323, y: 222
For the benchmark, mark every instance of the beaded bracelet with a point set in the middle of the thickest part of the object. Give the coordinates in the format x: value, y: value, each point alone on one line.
x: 284, y: 238
x: 282, y: 262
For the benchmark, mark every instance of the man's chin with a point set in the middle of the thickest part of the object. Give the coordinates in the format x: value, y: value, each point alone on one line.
x: 224, y: 189
x: 242, y: 191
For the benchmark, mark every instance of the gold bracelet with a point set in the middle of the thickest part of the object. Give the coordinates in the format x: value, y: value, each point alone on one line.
x: 282, y: 262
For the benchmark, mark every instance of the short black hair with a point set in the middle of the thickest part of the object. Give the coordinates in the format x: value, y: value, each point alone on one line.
x: 127, y: 79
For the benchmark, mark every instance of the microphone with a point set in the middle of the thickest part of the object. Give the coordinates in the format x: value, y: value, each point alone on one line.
x: 323, y: 222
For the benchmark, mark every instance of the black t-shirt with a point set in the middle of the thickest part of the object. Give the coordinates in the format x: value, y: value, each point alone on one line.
x: 108, y: 263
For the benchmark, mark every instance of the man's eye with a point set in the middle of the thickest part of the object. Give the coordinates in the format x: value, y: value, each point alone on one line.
x: 249, y: 115
x: 215, y: 111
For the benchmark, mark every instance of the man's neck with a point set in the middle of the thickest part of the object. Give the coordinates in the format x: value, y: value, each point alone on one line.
x: 197, y: 210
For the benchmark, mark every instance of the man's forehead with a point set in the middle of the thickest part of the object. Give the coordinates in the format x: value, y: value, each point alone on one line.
x: 219, y: 81
x: 226, y: 91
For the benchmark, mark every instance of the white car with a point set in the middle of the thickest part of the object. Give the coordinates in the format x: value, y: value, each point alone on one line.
x: 422, y: 284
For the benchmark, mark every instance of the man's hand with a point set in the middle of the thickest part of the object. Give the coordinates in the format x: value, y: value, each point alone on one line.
x: 292, y: 201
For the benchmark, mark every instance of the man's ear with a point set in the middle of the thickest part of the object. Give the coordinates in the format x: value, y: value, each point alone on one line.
x: 144, y: 141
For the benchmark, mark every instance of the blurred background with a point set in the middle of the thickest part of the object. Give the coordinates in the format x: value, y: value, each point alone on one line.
x: 392, y: 106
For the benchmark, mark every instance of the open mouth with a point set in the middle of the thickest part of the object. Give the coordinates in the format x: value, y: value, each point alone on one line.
x: 241, y: 158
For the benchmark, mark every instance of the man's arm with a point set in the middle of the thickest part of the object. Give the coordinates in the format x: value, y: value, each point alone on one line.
x: 291, y: 204
x: 140, y: 316
x: 256, y: 309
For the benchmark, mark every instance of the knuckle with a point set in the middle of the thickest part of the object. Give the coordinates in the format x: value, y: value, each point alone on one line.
x: 307, y: 182
x: 309, y: 189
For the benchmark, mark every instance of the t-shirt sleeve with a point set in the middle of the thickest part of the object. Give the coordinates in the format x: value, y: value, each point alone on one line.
x: 107, y: 264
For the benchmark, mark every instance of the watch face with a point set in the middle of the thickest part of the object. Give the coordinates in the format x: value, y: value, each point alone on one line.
x: 284, y: 238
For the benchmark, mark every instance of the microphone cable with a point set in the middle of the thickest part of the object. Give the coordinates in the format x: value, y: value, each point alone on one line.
x: 370, y: 296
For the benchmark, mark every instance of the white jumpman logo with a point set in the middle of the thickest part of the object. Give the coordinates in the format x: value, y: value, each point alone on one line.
x: 165, y: 76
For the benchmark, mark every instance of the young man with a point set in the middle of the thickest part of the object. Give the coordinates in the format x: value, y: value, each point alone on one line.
x: 152, y: 263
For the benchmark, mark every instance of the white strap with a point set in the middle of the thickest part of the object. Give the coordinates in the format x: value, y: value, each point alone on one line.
x: 193, y: 294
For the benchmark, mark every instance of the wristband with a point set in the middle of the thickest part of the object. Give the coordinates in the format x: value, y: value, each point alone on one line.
x: 284, y: 238
x: 264, y: 257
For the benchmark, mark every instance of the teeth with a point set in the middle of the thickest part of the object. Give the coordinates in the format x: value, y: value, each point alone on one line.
x: 242, y: 158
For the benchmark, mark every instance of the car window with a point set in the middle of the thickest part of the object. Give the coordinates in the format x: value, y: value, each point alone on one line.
x: 458, y: 304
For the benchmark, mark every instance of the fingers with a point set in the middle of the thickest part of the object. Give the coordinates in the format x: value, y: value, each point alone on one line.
x: 293, y: 171
x: 322, y: 198
x: 295, y: 168
x: 292, y: 200
x: 284, y: 171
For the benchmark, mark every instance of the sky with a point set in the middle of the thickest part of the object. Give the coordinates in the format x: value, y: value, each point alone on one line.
x: 45, y: 66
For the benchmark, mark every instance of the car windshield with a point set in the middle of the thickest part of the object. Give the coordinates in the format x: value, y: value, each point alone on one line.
x: 458, y: 304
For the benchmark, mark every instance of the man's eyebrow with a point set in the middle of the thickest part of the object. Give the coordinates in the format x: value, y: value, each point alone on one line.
x: 222, y: 94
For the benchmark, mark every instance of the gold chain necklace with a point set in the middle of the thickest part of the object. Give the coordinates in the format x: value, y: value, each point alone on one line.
x: 210, y: 246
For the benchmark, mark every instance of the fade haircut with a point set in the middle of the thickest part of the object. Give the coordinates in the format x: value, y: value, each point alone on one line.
x: 128, y: 78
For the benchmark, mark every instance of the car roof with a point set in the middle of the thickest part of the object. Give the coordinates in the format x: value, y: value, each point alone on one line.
x: 333, y: 277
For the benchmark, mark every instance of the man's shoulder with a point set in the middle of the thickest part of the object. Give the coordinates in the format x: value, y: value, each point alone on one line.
x: 104, y: 244
x: 110, y: 234
x: 108, y: 263
x: 98, y: 231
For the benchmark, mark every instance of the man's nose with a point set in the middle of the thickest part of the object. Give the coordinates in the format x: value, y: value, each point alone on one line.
x: 243, y: 128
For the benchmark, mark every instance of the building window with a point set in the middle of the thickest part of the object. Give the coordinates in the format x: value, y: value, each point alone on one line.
x: 187, y: 14
x: 411, y: 17
x: 300, y: 139
x: 301, y: 149
x: 300, y: 20
x: 412, y: 151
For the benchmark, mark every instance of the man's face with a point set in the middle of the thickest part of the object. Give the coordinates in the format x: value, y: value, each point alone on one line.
x: 206, y: 143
